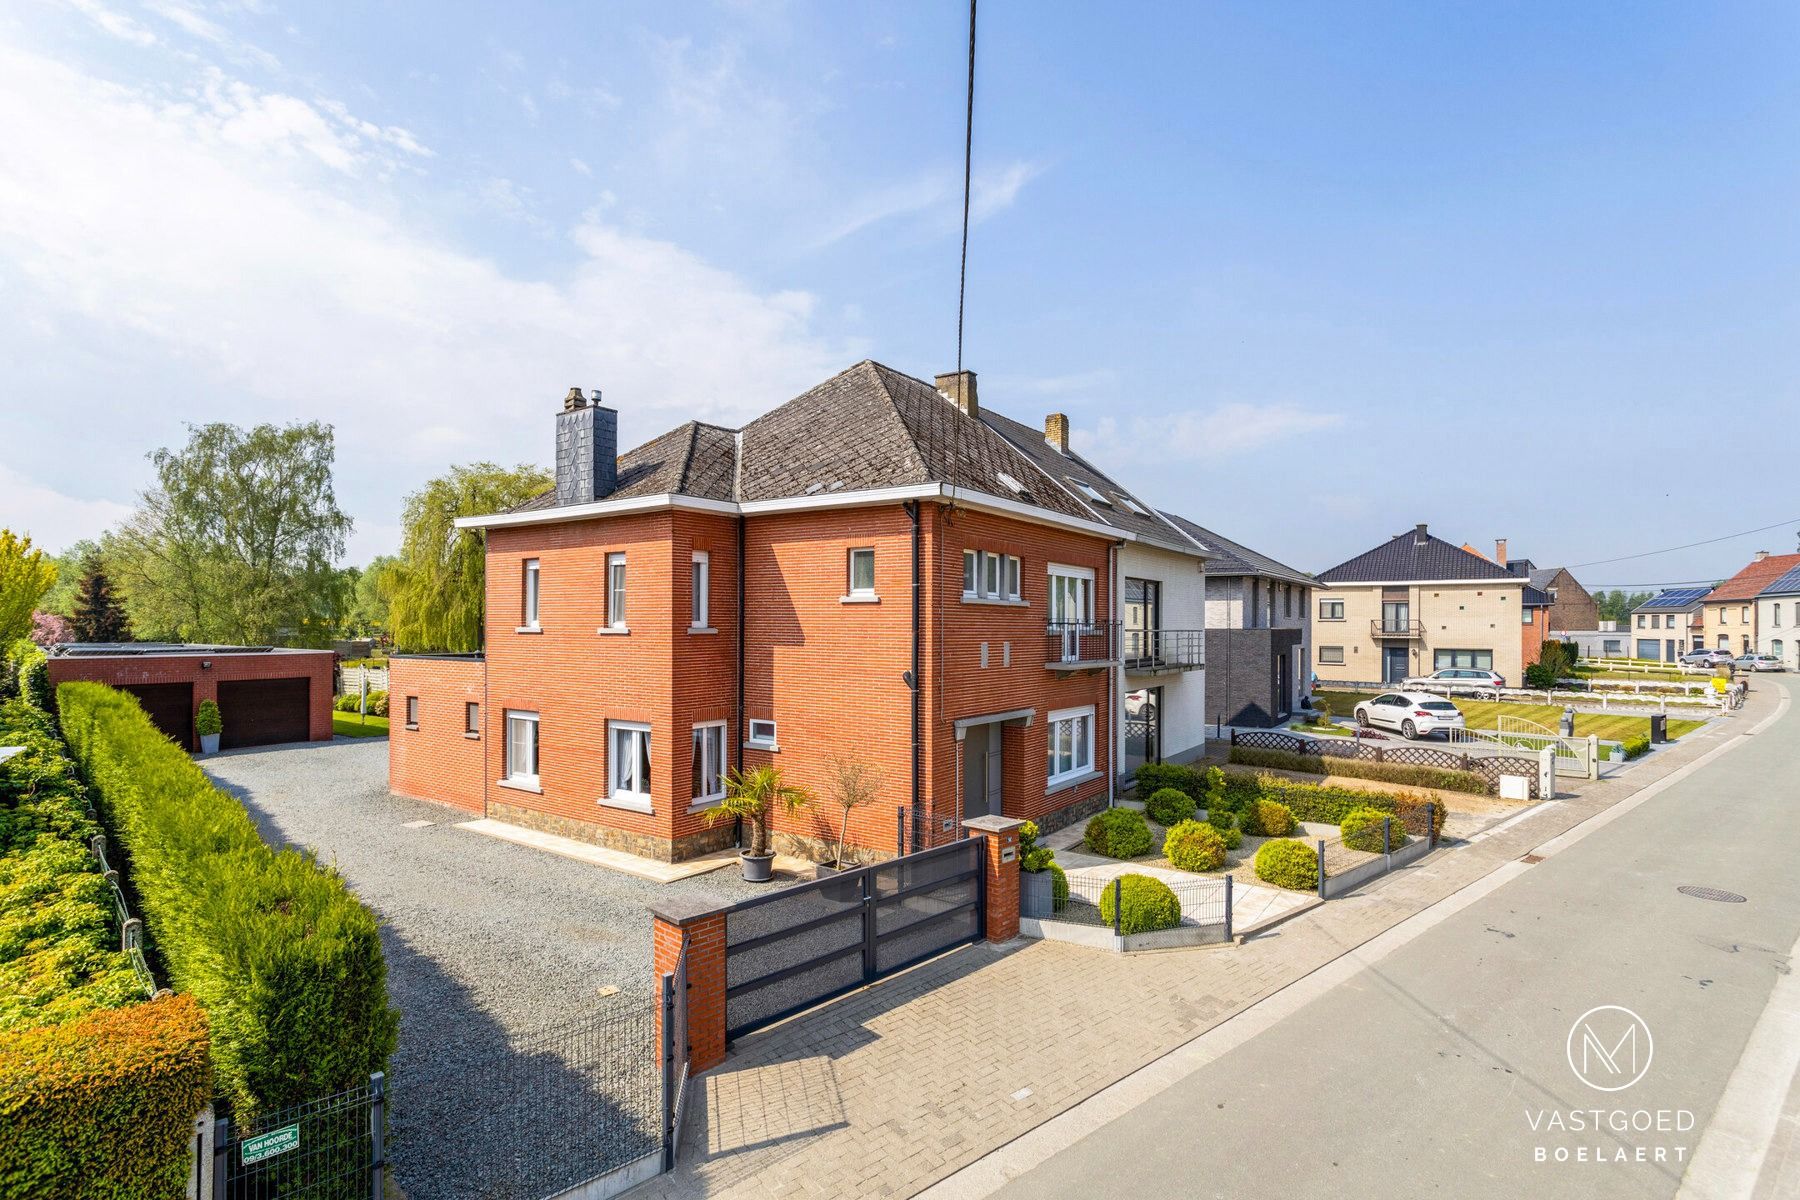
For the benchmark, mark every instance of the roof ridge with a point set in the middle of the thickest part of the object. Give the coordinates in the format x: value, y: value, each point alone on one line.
x: 881, y: 373
x: 687, y: 458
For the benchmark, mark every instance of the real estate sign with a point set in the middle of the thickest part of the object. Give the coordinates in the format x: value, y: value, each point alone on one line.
x: 268, y: 1145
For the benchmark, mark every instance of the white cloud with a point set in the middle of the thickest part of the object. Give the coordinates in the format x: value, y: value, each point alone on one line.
x: 581, y: 168
x: 1225, y: 429
x: 113, y: 22
x: 936, y: 192
x: 54, y: 520
x: 992, y: 191
x: 233, y: 228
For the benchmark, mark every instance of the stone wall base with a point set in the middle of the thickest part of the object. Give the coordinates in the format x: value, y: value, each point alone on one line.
x: 1062, y: 818
x: 693, y: 845
x: 824, y: 849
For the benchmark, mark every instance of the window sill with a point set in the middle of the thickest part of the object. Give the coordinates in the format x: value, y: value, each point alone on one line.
x: 701, y: 629
x: 1063, y: 785
x: 471, y: 735
x: 854, y: 598
x: 996, y: 601
x: 770, y: 746
x: 412, y: 727
x: 613, y: 630
x: 519, y: 785
x: 636, y: 804
x: 707, y: 805
x: 529, y: 629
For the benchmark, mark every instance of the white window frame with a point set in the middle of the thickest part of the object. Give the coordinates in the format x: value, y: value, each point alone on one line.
x: 700, y: 605
x: 532, y: 780
x: 615, y: 593
x: 762, y: 741
x: 851, y: 591
x: 1325, y: 659
x: 1079, y: 720
x: 636, y: 757
x: 530, y: 600
x: 971, y: 572
x: 1085, y: 575
x: 991, y: 575
x: 708, y: 739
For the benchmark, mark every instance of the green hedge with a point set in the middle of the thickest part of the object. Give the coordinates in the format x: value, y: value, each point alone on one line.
x: 1194, y: 846
x: 1354, y: 768
x: 1145, y: 904
x: 1288, y: 864
x: 1329, y: 804
x: 285, y: 960
x: 104, y: 1106
x: 1635, y: 746
x: 59, y: 944
x: 1118, y: 833
x: 1268, y: 818
x: 27, y: 674
x: 1362, y: 830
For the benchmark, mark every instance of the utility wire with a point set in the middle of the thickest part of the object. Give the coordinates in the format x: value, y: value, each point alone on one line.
x: 1689, y: 546
x: 962, y: 280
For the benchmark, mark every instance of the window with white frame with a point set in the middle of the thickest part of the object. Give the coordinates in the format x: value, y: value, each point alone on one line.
x: 702, y: 590
x: 1071, y: 736
x: 528, y: 615
x: 988, y: 575
x: 1071, y: 594
x: 1332, y: 656
x: 709, y: 762
x: 1641, y: 620
x: 628, y: 765
x: 615, y: 591
x: 762, y: 734
x: 861, y: 572
x: 1331, y: 610
x: 1744, y: 615
x: 522, y: 748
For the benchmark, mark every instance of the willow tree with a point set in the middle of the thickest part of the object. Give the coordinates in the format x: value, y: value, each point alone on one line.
x: 437, y: 587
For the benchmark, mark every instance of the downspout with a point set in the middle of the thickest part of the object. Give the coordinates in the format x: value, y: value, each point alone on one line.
x: 742, y: 727
x: 487, y: 710
x: 1115, y: 677
x: 912, y: 513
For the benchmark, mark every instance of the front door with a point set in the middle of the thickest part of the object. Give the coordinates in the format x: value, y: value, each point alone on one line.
x: 1143, y: 728
x: 1393, y: 664
x: 981, y: 771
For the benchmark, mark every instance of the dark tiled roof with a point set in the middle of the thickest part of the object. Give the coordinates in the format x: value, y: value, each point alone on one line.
x: 1235, y: 558
x: 1402, y: 558
x: 1531, y: 597
x: 1755, y: 577
x: 1541, y: 578
x: 1786, y: 585
x: 1673, y: 600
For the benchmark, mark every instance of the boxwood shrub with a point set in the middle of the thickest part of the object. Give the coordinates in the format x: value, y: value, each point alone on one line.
x: 1635, y: 746
x: 1268, y: 818
x: 286, y: 962
x: 103, y: 1106
x: 1361, y: 830
x: 1194, y: 846
x: 1352, y: 768
x: 1170, y: 806
x: 1154, y: 777
x: 1145, y: 904
x: 1287, y: 863
x: 1118, y: 833
x: 1059, y: 888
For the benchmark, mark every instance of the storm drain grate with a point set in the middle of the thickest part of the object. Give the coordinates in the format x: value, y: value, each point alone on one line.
x: 1706, y: 893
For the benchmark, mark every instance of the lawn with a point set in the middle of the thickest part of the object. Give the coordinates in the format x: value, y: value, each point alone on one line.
x: 351, y: 725
x: 1483, y: 714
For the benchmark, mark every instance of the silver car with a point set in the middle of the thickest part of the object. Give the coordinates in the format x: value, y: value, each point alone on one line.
x: 1758, y: 662
x: 1460, y: 681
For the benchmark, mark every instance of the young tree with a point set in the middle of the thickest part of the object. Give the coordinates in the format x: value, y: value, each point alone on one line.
x: 854, y: 783
x: 238, y: 540
x: 25, y: 575
x: 437, y: 587
x: 99, y: 616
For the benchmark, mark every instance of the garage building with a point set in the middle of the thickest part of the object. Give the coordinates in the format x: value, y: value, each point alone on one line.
x: 266, y: 694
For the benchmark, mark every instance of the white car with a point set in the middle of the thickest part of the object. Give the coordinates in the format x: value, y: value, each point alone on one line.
x: 1459, y: 680
x: 1413, y: 714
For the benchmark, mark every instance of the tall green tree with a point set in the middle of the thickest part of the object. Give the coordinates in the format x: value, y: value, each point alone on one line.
x: 25, y: 575
x: 371, y: 596
x: 435, y: 601
x: 99, y: 615
x: 239, y: 539
x: 71, y: 565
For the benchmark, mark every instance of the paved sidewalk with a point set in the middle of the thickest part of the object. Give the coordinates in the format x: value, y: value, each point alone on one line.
x: 888, y: 1090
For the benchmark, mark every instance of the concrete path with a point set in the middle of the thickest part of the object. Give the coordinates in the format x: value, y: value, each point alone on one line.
x: 898, y: 1087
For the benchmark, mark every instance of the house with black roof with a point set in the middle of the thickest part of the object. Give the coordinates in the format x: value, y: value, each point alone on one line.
x: 1668, y: 625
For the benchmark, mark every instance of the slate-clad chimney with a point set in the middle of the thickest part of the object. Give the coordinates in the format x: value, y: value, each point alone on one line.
x: 587, y: 450
x: 1419, y: 536
x: 960, y: 387
x: 1056, y: 432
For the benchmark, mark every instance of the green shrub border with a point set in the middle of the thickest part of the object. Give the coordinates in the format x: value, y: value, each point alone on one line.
x: 1440, y: 778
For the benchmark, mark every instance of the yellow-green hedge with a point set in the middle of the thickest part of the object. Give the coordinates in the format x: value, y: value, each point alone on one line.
x: 103, y: 1106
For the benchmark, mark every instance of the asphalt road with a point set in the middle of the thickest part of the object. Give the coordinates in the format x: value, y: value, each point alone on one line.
x: 1425, y: 1073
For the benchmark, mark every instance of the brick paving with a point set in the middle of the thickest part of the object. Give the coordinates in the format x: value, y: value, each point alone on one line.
x: 888, y: 1090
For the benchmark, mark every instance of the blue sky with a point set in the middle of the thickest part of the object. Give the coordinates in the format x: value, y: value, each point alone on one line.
x: 1307, y: 273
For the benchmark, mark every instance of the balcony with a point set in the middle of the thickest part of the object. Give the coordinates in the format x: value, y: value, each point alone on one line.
x: 1075, y: 646
x: 1397, y: 629
x: 1160, y: 651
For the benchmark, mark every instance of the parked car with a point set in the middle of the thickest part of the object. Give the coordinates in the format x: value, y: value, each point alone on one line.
x: 1463, y: 680
x: 1705, y: 658
x: 1758, y: 662
x: 1414, y: 714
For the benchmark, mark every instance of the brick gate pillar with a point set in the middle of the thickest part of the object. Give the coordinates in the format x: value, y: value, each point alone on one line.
x: 701, y: 929
x: 1001, y: 862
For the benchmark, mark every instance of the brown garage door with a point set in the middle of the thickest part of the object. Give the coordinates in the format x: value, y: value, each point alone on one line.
x: 261, y: 712
x: 171, y: 708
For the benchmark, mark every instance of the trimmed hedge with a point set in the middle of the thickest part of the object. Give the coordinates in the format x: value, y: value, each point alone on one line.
x: 1118, y: 833
x: 104, y: 1106
x: 1145, y: 904
x: 1355, y: 768
x: 1635, y: 746
x: 1194, y: 846
x: 1170, y: 806
x: 285, y: 960
x: 1154, y: 777
x: 1288, y: 864
x: 1361, y: 830
x: 27, y: 674
x: 1059, y: 888
x: 1329, y: 804
x: 1268, y: 818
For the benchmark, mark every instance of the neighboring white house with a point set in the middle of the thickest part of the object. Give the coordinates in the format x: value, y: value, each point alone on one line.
x: 1667, y: 626
x: 1778, y: 619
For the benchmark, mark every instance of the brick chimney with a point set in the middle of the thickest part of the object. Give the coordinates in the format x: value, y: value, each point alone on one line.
x: 1419, y: 536
x: 1500, y: 551
x: 587, y: 450
x: 1056, y: 432
x: 960, y: 387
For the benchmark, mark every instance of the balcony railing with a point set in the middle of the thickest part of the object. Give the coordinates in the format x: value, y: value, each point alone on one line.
x: 1154, y: 651
x: 1081, y: 645
x: 1396, y: 629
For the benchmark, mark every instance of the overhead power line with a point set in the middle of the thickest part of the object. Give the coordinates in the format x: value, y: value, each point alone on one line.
x: 1689, y: 546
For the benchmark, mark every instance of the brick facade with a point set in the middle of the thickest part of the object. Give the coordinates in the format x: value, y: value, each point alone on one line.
x: 439, y: 759
x: 206, y: 671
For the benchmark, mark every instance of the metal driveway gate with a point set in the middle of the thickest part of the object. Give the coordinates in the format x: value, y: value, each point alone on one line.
x: 792, y: 949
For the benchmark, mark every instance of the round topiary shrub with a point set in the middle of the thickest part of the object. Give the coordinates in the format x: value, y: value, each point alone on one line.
x: 1059, y: 888
x: 1195, y: 846
x: 1145, y: 904
x: 1170, y: 806
x: 1119, y: 833
x: 1234, y: 837
x: 1361, y: 829
x: 1268, y: 818
x: 1287, y: 863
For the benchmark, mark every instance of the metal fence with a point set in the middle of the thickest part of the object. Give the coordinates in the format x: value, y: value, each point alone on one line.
x: 329, y: 1149
x: 675, y: 1057
x: 802, y: 945
x: 1094, y: 901
x: 1489, y: 766
x: 131, y: 930
x: 1404, y: 839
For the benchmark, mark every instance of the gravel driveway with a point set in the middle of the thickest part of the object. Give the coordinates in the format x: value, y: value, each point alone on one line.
x: 487, y: 943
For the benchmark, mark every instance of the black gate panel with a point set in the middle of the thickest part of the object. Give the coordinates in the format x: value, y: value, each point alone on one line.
x: 803, y: 945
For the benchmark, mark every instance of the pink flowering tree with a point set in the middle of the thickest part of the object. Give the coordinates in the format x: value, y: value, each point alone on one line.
x: 47, y: 629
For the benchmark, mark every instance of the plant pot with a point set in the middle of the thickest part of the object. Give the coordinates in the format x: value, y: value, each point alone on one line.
x: 209, y: 743
x: 842, y: 889
x: 758, y: 868
x: 1036, y: 899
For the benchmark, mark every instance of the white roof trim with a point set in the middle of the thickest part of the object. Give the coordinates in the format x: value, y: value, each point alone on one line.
x: 1503, y: 581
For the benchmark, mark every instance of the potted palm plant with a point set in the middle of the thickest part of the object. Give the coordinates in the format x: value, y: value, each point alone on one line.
x: 208, y: 724
x: 752, y: 795
x: 853, y: 784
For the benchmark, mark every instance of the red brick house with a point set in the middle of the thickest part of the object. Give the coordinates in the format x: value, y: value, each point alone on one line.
x: 867, y: 571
